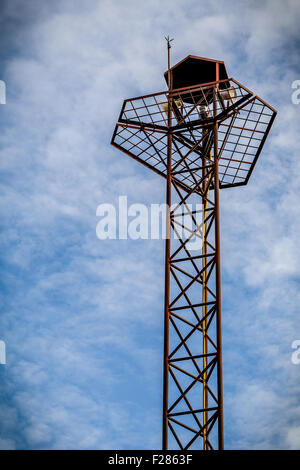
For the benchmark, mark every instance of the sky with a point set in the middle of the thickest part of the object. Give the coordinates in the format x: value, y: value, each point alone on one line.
x: 82, y: 318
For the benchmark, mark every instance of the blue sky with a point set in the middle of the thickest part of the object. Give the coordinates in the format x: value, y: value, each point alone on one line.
x: 82, y: 318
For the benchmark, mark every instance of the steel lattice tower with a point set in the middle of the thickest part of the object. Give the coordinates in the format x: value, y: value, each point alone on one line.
x: 203, y: 134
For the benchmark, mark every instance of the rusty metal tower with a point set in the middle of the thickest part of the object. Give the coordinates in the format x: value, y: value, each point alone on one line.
x: 203, y: 134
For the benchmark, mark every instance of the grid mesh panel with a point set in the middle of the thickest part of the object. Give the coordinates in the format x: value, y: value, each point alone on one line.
x: 240, y: 138
x: 187, y: 105
x: 244, y: 121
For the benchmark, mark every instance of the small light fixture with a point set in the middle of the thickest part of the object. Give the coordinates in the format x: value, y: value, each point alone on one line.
x: 229, y: 94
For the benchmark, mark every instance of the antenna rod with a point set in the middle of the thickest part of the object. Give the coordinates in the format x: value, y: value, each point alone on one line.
x: 169, y: 67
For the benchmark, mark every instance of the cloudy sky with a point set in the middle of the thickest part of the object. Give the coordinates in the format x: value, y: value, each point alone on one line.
x: 82, y: 318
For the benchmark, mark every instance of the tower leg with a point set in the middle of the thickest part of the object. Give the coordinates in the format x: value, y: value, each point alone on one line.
x: 218, y: 283
x: 167, y: 298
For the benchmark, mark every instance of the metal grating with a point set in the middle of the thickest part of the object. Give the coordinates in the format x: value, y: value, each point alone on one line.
x: 244, y: 122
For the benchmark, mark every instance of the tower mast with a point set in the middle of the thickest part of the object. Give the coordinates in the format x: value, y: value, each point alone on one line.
x: 203, y: 134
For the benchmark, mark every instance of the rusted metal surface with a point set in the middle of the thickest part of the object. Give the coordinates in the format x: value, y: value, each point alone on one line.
x: 165, y: 424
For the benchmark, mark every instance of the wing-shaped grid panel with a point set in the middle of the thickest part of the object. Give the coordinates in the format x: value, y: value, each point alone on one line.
x: 149, y: 147
x: 241, y: 138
